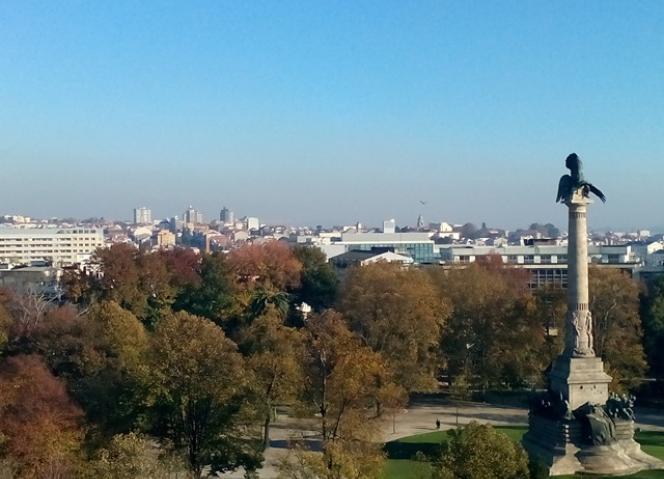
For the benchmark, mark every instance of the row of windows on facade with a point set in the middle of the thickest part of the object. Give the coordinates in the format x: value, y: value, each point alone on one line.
x: 544, y: 259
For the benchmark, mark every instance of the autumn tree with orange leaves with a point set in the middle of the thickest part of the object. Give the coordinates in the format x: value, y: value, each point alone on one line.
x: 40, y: 426
x: 270, y: 265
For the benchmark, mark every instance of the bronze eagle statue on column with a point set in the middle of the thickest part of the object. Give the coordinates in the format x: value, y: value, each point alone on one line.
x: 570, y: 183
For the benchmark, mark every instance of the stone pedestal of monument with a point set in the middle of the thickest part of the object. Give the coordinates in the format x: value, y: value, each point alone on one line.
x: 580, y: 380
x: 570, y: 428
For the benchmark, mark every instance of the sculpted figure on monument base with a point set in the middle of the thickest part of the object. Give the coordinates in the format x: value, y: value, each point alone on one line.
x: 580, y: 344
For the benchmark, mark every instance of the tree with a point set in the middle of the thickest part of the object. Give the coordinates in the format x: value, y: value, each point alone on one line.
x: 263, y: 299
x: 492, y: 312
x: 318, y: 285
x: 652, y: 312
x: 155, y: 283
x: 400, y: 314
x: 344, y: 381
x: 214, y: 296
x: 478, y: 451
x: 198, y: 384
x: 27, y: 310
x: 77, y: 286
x: 275, y: 356
x: 618, y: 337
x: 469, y: 230
x: 271, y: 265
x: 100, y: 354
x: 109, y: 383
x: 551, y: 309
x: 121, y: 278
x: 39, y: 424
x: 131, y: 456
x: 5, y: 324
x: 183, y: 265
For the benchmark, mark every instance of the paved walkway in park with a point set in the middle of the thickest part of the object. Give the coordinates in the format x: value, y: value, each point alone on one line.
x: 419, y: 418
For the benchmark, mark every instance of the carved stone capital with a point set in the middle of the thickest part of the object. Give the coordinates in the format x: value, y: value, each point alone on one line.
x: 576, y: 199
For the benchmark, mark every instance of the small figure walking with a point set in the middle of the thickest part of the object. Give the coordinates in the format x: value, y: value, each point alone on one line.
x: 437, y: 423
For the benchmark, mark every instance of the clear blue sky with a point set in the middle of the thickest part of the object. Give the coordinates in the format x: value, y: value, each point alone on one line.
x: 331, y: 112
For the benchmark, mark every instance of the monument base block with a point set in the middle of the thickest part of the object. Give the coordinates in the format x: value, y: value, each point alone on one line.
x: 580, y: 380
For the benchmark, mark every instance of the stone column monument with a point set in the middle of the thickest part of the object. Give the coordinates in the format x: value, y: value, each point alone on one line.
x: 576, y: 426
x: 577, y: 374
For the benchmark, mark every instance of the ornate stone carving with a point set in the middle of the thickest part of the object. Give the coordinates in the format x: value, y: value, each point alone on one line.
x: 580, y: 342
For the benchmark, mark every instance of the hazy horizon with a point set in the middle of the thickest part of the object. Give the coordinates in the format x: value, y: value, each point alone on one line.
x: 329, y: 114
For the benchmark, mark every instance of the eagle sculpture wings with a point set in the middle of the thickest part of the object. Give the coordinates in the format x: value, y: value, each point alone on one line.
x: 570, y: 183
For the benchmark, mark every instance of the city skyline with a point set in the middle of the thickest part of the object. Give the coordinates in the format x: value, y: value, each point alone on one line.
x: 371, y: 224
x: 331, y: 115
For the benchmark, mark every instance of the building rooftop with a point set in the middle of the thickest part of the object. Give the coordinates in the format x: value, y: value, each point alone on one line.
x: 410, y: 237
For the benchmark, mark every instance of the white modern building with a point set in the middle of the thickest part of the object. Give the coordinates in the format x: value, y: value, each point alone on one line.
x: 61, y: 246
x: 251, y: 223
x: 417, y: 245
x: 389, y: 226
x: 142, y: 216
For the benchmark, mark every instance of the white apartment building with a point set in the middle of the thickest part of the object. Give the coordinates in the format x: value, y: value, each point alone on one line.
x: 62, y: 246
x: 251, y: 223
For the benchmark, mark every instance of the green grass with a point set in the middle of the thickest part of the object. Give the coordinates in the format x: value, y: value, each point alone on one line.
x: 401, y: 466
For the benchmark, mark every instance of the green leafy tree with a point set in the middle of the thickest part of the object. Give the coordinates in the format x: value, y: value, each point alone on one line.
x: 653, y: 325
x: 109, y: 383
x: 155, y: 284
x: 101, y: 355
x: 263, y: 299
x: 199, y: 388
x: 480, y: 452
x: 318, y: 284
x: 214, y: 296
x: 399, y: 313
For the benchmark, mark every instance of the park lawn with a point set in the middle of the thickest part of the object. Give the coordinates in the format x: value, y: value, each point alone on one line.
x: 400, y: 465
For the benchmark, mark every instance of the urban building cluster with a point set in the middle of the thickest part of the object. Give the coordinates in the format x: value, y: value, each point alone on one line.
x: 34, y: 252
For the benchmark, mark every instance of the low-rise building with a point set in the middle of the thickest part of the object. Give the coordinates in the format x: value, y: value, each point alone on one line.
x: 36, y: 278
x: 60, y: 246
x: 417, y: 245
x: 546, y: 262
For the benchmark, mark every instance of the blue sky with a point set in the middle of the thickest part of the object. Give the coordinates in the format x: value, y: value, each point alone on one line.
x: 331, y: 112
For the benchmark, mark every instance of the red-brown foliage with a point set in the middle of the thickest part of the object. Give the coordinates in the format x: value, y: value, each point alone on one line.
x: 270, y: 265
x: 183, y: 265
x: 38, y: 420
